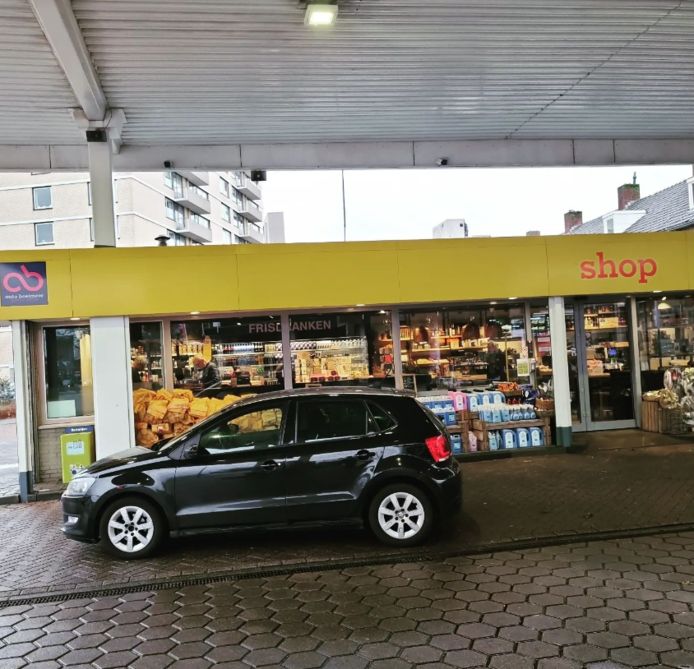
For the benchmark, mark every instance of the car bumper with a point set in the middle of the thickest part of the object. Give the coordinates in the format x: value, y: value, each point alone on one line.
x: 77, y: 519
x: 449, y: 488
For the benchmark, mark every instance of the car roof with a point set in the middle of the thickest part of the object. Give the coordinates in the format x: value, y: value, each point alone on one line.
x: 324, y: 391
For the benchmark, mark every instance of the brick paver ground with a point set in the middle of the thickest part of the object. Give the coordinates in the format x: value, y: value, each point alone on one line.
x: 505, y: 500
x: 608, y: 604
x: 9, y: 485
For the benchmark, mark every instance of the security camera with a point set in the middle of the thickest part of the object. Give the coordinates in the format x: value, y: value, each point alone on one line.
x: 258, y: 175
x: 168, y: 164
x: 441, y: 162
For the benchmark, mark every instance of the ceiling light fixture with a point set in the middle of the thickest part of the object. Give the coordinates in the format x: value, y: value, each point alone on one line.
x: 75, y: 318
x: 359, y: 305
x: 194, y: 313
x: 320, y: 14
x: 512, y: 298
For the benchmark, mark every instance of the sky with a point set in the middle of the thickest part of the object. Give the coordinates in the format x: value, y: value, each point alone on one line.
x: 408, y: 203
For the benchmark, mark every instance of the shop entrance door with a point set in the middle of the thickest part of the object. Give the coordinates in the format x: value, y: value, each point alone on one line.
x: 600, y: 365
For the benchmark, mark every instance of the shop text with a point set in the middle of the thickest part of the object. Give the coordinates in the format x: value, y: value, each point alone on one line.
x: 644, y: 268
x: 295, y: 326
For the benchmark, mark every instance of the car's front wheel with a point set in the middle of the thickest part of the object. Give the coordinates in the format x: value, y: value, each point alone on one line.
x: 401, y: 515
x: 131, y: 528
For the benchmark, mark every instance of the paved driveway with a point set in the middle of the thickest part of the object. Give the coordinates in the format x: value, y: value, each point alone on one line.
x: 603, y: 605
x: 8, y: 459
x: 547, y: 497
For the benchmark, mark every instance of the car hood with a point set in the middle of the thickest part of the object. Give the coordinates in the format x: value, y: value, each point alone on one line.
x: 126, y: 457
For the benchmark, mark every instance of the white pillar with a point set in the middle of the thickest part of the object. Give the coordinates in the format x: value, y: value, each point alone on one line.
x: 397, y: 347
x: 560, y: 371
x: 114, y: 427
x: 286, y: 352
x: 23, y: 399
x: 101, y: 179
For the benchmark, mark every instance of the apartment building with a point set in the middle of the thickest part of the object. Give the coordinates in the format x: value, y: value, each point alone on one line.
x: 54, y: 209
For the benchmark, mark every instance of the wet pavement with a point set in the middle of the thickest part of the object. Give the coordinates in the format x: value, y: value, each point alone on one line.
x: 545, y: 498
x: 606, y: 604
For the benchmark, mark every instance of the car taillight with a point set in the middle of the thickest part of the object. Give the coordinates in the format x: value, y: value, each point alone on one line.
x: 438, y: 447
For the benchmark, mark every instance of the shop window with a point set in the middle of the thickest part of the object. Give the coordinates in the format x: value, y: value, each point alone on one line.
x: 240, y: 355
x: 146, y: 355
x: 68, y: 372
x: 224, y: 186
x: 455, y: 347
x: 354, y: 348
x: 330, y: 419
x: 226, y: 214
x: 666, y: 338
x: 43, y: 233
x: 42, y: 197
x: 251, y: 430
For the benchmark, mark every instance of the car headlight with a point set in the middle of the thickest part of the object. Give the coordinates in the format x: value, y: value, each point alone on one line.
x: 78, y: 486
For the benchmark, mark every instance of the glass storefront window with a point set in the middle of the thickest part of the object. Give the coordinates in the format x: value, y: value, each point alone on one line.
x: 457, y: 346
x: 68, y: 372
x: 666, y: 337
x: 240, y: 353
x: 348, y: 349
x: 146, y: 355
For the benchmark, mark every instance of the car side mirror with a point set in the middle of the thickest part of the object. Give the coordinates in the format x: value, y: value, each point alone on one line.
x: 191, y: 451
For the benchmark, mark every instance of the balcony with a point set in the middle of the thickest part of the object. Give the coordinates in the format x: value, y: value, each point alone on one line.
x: 197, y: 178
x: 195, y: 231
x: 249, y: 188
x: 252, y: 233
x: 192, y: 199
x: 250, y: 211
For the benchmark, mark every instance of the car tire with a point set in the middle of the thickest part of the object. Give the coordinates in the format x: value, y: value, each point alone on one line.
x: 401, y: 515
x: 131, y: 528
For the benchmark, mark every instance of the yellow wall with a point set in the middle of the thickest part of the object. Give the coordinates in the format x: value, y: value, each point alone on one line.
x: 155, y: 280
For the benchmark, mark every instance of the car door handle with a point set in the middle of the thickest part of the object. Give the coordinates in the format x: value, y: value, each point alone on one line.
x: 365, y: 455
x: 270, y: 465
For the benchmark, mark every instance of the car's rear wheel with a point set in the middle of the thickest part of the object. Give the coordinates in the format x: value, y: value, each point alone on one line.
x: 401, y: 515
x: 131, y: 528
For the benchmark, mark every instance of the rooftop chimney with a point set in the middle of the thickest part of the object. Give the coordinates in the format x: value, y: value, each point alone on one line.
x: 572, y: 219
x: 627, y: 193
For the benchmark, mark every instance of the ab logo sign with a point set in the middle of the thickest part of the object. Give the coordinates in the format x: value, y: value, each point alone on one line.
x: 602, y: 268
x: 23, y: 284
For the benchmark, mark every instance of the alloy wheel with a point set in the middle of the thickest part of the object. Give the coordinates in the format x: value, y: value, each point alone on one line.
x: 130, y: 529
x: 401, y: 515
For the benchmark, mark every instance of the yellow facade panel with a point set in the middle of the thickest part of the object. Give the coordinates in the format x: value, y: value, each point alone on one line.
x: 626, y: 263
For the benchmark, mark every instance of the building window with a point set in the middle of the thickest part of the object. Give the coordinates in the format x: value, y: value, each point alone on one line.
x: 237, y: 197
x: 226, y: 214
x: 43, y: 233
x: 200, y: 220
x: 91, y: 229
x: 42, y: 197
x: 68, y: 372
x: 239, y: 220
x: 228, y: 239
x: 168, y: 179
x: 175, y: 212
x: 199, y: 191
x: 89, y: 192
x: 179, y: 240
x: 609, y: 225
x: 223, y: 186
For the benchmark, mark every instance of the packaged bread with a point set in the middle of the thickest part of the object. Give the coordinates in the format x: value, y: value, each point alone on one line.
x: 230, y: 399
x: 183, y: 393
x: 180, y: 427
x: 162, y: 429
x: 141, y: 425
x: 177, y: 409
x: 140, y: 409
x: 143, y: 394
x: 156, y: 410
x: 146, y: 438
x: 214, y: 406
x: 199, y: 407
x: 164, y: 394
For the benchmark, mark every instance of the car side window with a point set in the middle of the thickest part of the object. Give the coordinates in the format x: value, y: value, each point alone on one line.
x: 330, y: 419
x: 251, y: 430
x: 379, y: 419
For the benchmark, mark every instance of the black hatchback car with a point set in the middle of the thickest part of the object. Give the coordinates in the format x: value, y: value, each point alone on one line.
x: 280, y: 458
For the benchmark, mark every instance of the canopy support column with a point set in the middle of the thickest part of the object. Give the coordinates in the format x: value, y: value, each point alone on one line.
x: 560, y: 371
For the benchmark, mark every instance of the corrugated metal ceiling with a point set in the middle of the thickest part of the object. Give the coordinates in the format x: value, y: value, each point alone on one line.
x: 227, y: 71
x: 35, y: 96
